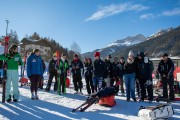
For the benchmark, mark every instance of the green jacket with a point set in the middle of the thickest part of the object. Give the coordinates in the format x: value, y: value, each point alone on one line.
x: 12, y: 63
x: 63, y: 66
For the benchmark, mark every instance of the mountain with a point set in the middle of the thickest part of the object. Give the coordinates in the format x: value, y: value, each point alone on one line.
x: 168, y: 42
x: 117, y: 46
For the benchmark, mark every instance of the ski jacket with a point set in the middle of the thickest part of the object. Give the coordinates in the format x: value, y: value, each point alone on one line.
x: 88, y: 69
x: 99, y: 68
x: 108, y: 69
x: 166, y: 68
x: 52, y: 66
x: 63, y: 67
x: 131, y: 68
x: 115, y: 69
x: 121, y: 69
x: 144, y: 70
x: 77, y: 66
x: 34, y: 65
x: 13, y: 61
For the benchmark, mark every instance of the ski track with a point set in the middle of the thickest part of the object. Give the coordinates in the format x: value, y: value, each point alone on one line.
x: 58, y: 107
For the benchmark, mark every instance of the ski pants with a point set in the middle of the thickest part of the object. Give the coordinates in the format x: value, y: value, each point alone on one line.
x: 89, y: 84
x: 35, y: 82
x: 97, y: 81
x: 169, y: 82
x: 62, y: 83
x: 77, y: 81
x: 51, y: 76
x: 12, y: 78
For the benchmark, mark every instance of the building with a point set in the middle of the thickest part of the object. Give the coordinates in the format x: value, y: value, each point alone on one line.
x: 27, y: 45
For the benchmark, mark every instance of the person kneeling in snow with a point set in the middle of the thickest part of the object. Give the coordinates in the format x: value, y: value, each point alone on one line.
x: 106, y: 96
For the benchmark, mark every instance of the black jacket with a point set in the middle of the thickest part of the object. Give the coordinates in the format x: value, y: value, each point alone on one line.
x: 52, y: 66
x: 121, y: 69
x: 144, y: 70
x: 108, y: 69
x: 99, y: 68
x: 166, y: 68
x: 115, y: 69
x: 88, y: 69
x: 130, y: 68
x: 77, y: 66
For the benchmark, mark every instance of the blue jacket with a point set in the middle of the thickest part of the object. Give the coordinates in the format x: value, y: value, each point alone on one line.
x: 34, y: 65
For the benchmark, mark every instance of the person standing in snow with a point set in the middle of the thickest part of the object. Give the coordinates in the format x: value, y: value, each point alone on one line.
x: 144, y: 75
x: 52, y: 73
x: 130, y: 68
x: 77, y: 73
x: 166, y: 70
x: 121, y: 74
x: 13, y: 61
x: 63, y: 68
x: 88, y: 68
x: 99, y: 69
x: 34, y: 71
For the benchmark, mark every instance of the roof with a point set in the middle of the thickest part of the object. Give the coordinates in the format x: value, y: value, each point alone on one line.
x: 37, y: 42
x: 173, y: 58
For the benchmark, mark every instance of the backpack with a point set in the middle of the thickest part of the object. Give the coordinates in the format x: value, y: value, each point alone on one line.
x: 162, y: 111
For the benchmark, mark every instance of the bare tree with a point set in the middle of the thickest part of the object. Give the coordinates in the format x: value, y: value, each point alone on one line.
x: 75, y: 47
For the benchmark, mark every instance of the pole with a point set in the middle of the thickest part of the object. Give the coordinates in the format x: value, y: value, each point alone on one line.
x: 7, y: 21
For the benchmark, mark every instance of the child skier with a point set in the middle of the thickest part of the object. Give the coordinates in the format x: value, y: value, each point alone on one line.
x: 13, y: 61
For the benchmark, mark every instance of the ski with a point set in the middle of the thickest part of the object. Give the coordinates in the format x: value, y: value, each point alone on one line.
x: 83, y: 104
x: 5, y: 68
x: 89, y: 104
x: 23, y: 69
x: 58, y: 76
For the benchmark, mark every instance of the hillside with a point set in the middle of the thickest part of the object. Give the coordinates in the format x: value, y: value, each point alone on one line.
x: 117, y: 46
x: 154, y: 47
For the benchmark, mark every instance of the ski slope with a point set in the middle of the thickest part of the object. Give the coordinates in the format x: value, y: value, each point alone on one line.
x: 51, y: 106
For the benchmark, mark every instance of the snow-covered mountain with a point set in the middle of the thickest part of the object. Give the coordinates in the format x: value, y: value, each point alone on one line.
x: 117, y: 45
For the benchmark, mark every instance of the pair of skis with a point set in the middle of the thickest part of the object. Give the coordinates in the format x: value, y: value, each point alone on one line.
x: 58, y: 77
x: 86, y: 104
x: 7, y: 38
x: 23, y: 80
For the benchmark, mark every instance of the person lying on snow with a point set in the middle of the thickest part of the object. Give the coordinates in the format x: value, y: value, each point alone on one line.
x: 106, y: 95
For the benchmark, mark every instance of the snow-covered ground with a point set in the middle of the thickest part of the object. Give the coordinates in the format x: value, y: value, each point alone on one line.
x: 54, y: 107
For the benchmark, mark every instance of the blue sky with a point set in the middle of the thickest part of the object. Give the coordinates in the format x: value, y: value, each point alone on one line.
x: 91, y: 23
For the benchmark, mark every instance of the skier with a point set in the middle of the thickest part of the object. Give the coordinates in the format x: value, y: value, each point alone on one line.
x: 121, y: 74
x: 130, y: 72
x: 52, y: 73
x: 108, y: 71
x: 88, y: 68
x: 144, y: 75
x: 34, y: 71
x: 63, y: 68
x: 166, y: 69
x: 77, y: 72
x: 13, y: 60
x: 99, y: 69
x: 115, y: 72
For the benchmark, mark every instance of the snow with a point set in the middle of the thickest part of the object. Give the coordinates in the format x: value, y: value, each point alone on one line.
x: 55, y: 107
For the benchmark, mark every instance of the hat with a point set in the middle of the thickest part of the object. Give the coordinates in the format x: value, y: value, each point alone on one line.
x: 63, y: 54
x: 131, y: 53
x: 141, y: 54
x: 75, y: 55
x: 122, y: 58
x: 109, y: 56
x: 97, y: 54
x: 55, y: 54
x: 165, y: 54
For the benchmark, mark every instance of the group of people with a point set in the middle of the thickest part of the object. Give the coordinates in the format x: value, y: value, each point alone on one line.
x: 133, y: 73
